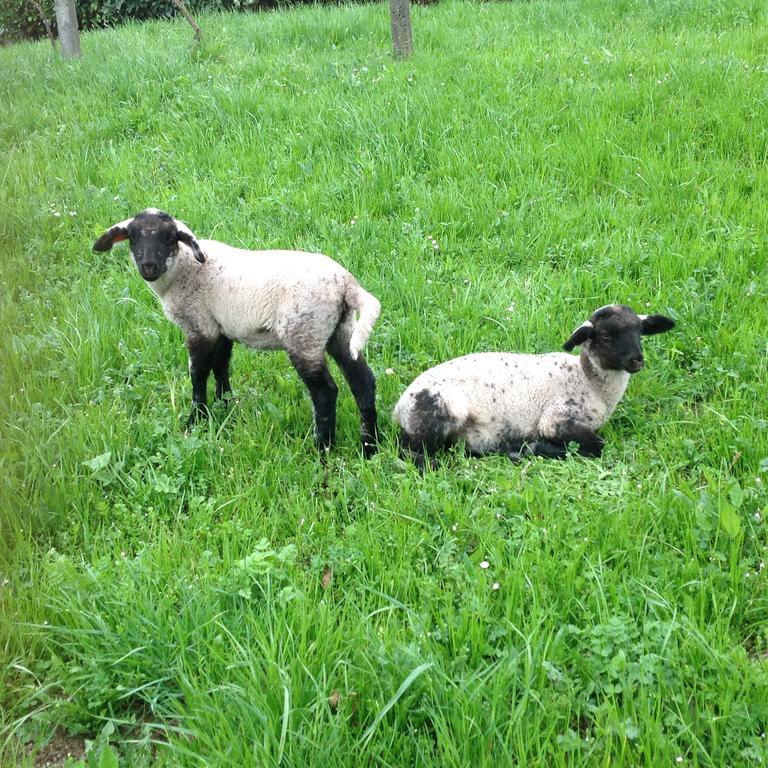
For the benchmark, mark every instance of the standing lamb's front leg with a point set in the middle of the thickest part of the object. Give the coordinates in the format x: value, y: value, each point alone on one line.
x: 220, y: 364
x: 323, y: 392
x: 202, y: 353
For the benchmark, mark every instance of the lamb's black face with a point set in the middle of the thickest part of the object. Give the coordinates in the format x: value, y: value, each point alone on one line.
x: 154, y: 239
x: 615, y: 341
x: 612, y: 337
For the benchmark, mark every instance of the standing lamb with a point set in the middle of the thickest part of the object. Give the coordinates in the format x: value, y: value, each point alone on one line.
x: 304, y: 303
x: 528, y: 404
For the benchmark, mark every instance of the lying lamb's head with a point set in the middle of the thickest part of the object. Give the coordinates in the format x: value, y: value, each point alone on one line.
x: 612, y: 336
x: 154, y: 239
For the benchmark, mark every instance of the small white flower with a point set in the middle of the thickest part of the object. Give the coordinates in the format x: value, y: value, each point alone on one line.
x: 389, y: 371
x: 56, y: 214
x: 757, y: 516
x: 454, y: 527
x: 485, y: 565
x: 301, y: 522
x: 679, y: 759
x: 495, y: 585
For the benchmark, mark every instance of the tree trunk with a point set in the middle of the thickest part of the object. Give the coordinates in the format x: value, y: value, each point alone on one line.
x: 402, y: 37
x: 66, y: 21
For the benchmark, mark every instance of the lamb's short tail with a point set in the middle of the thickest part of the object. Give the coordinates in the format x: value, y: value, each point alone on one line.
x: 368, y: 308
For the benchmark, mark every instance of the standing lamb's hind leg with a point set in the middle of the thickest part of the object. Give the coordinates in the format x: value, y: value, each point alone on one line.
x: 220, y: 365
x: 323, y: 391
x: 202, y: 353
x: 361, y: 381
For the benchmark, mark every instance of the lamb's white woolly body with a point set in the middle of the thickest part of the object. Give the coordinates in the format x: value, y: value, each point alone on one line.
x: 264, y: 299
x: 492, y: 399
x: 529, y: 404
x: 304, y: 303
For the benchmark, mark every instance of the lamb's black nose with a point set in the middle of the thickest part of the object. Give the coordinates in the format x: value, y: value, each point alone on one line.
x: 150, y: 271
x: 635, y: 364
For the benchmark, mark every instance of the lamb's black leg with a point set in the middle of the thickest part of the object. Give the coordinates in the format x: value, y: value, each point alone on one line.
x: 220, y: 365
x: 513, y: 450
x: 201, y: 356
x: 323, y: 392
x: 419, y: 451
x: 589, y: 443
x: 549, y: 449
x: 409, y: 448
x: 362, y: 382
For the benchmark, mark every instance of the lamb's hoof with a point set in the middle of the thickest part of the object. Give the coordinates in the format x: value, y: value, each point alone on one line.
x: 199, y: 413
x: 324, y: 446
x: 369, y: 449
x: 423, y: 463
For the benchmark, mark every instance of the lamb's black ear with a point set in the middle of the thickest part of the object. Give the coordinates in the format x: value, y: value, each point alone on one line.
x: 189, y: 239
x: 115, y: 234
x: 651, y: 324
x: 579, y: 336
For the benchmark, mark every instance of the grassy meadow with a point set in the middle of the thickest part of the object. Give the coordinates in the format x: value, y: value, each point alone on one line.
x: 223, y: 598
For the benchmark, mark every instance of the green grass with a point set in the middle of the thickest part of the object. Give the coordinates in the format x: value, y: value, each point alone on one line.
x: 221, y: 598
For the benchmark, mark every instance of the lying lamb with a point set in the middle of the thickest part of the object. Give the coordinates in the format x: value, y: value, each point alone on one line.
x: 528, y: 404
x: 304, y: 303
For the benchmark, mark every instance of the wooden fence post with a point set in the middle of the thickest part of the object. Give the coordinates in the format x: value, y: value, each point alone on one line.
x: 402, y: 36
x: 66, y: 21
